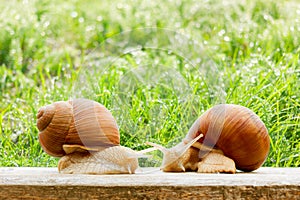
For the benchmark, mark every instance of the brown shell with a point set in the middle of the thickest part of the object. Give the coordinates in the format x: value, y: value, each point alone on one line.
x: 237, y: 131
x: 79, y: 122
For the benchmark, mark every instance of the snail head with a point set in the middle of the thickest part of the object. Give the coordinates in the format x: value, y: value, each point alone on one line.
x: 175, y: 158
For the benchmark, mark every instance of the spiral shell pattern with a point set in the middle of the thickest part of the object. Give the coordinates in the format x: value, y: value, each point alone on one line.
x: 76, y: 122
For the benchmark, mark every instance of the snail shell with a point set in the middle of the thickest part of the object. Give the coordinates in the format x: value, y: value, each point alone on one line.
x: 237, y: 131
x: 68, y: 126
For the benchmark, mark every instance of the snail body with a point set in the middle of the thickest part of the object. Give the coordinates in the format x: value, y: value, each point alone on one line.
x: 86, y: 137
x: 222, y: 139
x: 112, y: 160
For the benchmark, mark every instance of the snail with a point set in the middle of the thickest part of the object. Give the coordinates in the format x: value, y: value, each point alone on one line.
x: 224, y: 138
x: 86, y: 137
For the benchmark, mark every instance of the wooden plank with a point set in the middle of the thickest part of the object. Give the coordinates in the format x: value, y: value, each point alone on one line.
x: 149, y: 183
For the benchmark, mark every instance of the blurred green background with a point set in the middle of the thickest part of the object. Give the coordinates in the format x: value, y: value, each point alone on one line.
x: 156, y: 65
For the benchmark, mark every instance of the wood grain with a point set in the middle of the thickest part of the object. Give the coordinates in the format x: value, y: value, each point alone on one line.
x: 149, y: 183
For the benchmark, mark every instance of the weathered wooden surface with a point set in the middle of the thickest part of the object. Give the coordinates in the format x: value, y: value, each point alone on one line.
x: 149, y: 183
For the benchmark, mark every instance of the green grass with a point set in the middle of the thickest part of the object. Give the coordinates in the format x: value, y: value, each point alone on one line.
x: 156, y: 65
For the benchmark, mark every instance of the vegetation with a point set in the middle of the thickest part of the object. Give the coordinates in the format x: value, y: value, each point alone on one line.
x: 157, y: 65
